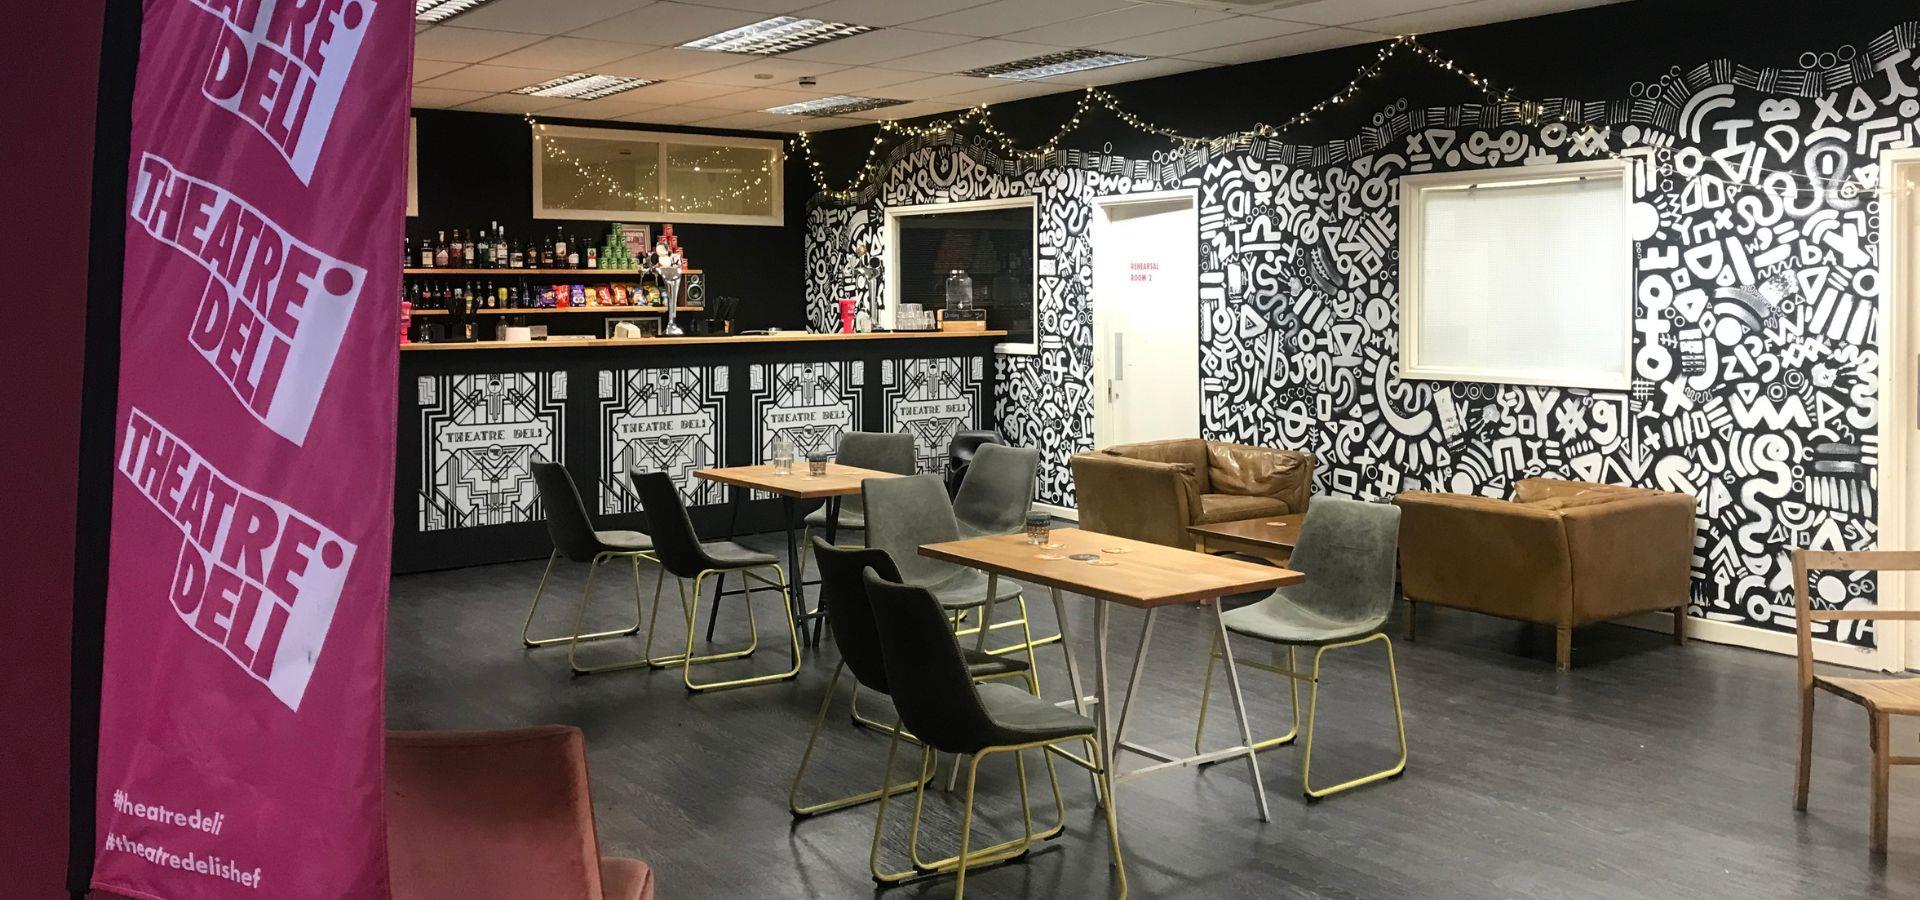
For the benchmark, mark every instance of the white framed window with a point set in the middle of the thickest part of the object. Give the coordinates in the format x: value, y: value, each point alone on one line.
x: 612, y: 174
x: 1521, y: 275
x: 994, y: 241
x: 413, y: 167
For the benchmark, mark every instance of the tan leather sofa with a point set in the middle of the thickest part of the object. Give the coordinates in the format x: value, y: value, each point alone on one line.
x: 1560, y: 553
x: 1152, y: 491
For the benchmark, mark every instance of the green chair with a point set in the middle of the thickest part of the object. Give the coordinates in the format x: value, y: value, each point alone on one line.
x: 1347, y: 550
x: 939, y: 703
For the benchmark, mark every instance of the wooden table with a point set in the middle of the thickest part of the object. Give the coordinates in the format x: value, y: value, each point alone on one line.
x: 797, y: 485
x: 1145, y: 576
x: 1268, y: 537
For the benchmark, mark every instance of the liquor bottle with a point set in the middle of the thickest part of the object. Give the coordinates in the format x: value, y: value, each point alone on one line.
x: 406, y: 256
x: 546, y: 255
x: 455, y: 252
x: 483, y: 251
x: 499, y: 246
x: 517, y: 258
x: 426, y: 254
x: 593, y: 258
x: 573, y: 255
x: 442, y: 254
x: 559, y: 248
x: 467, y: 254
x: 501, y: 299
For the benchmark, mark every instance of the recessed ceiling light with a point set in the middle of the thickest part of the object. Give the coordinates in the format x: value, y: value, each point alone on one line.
x: 582, y: 86
x: 442, y: 10
x: 776, y: 35
x: 1063, y: 63
x: 832, y: 106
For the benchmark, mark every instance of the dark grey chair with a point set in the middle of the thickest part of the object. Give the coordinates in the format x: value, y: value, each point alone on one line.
x: 998, y: 490
x: 1347, y: 550
x: 902, y: 514
x: 575, y: 538
x: 844, y: 595
x: 947, y: 712
x: 960, y: 453
x: 681, y: 552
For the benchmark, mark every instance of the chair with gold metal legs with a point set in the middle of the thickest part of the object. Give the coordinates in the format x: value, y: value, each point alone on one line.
x: 948, y: 713
x: 681, y: 552
x: 881, y: 452
x: 844, y: 596
x: 575, y: 538
x: 1347, y: 550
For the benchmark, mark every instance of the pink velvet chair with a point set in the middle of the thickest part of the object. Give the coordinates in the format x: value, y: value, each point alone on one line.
x: 498, y: 814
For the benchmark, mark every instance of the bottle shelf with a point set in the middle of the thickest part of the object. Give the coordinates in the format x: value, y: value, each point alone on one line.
x: 496, y: 273
x: 541, y: 311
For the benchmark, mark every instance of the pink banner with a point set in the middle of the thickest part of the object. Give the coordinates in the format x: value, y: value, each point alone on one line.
x: 242, y: 718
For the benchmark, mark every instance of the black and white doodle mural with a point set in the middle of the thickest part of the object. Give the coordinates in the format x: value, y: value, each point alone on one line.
x: 668, y: 420
x: 932, y: 399
x: 480, y: 434
x: 1758, y: 208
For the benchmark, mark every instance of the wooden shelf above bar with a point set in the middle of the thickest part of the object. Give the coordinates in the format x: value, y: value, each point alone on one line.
x: 782, y: 337
x: 494, y: 273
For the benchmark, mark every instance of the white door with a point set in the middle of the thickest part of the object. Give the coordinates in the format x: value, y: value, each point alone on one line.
x: 1146, y: 317
x: 1900, y: 401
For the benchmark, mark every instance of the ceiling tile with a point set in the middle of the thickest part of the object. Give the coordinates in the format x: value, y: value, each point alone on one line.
x: 1006, y: 16
x: 756, y: 99
x: 1465, y: 15
x: 514, y: 104
x: 491, y: 78
x: 1342, y: 12
x: 876, y: 46
x: 746, y: 120
x: 770, y: 7
x: 678, y: 115
x: 968, y: 56
x: 569, y: 53
x: 1286, y: 45
x: 1093, y: 31
x: 669, y: 24
x: 670, y: 63
x: 544, y: 16
x: 679, y: 92
x: 608, y: 108
x: 443, y: 98
x: 863, y: 80
x: 795, y: 124
x: 746, y: 74
x: 882, y: 13
x: 426, y: 69
x: 1000, y: 90
x: 1205, y: 36
x: 450, y: 44
x: 937, y: 86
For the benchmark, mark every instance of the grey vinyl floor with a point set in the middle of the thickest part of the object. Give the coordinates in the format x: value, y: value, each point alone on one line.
x: 1650, y: 771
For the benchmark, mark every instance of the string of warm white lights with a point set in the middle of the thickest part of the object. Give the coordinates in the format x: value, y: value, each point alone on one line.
x: 606, y: 183
x: 1530, y: 112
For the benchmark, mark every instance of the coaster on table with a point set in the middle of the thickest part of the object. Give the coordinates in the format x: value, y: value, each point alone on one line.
x: 1115, y: 550
x: 1085, y: 556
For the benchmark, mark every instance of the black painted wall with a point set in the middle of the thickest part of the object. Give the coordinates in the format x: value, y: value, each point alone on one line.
x: 477, y: 168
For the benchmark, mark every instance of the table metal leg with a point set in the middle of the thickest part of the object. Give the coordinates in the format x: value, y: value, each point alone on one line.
x: 1240, y: 710
x: 1103, y: 699
x: 1073, y: 672
x: 790, y: 512
x: 1133, y: 683
x: 733, y: 534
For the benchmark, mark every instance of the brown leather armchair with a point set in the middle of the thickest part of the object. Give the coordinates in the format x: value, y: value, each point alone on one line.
x: 1153, y: 491
x: 1560, y: 553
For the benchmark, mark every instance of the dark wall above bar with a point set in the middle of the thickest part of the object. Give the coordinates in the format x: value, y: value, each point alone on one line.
x: 477, y: 168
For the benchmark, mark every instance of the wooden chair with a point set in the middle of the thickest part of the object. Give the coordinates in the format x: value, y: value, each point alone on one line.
x: 1883, y: 697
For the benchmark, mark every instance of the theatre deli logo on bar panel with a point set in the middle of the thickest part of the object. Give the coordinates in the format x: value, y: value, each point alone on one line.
x: 254, y: 577
x: 274, y: 311
x: 281, y: 64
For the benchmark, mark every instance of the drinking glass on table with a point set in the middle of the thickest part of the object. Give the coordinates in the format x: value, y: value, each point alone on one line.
x: 1039, y: 527
x: 782, y: 456
x: 817, y: 463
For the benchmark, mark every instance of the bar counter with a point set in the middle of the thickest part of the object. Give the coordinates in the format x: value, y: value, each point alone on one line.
x: 473, y: 416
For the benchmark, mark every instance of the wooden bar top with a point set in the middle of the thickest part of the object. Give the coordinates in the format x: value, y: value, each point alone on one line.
x: 838, y: 481
x: 784, y: 337
x: 1143, y: 575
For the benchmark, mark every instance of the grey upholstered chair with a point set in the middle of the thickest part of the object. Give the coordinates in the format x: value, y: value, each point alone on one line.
x: 1347, y: 550
x: 575, y: 538
x: 879, y: 451
x: 997, y: 491
x: 947, y: 712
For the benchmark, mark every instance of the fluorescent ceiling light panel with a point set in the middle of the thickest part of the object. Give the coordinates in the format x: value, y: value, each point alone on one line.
x: 776, y: 35
x: 832, y: 106
x: 582, y: 86
x: 442, y: 10
x: 1065, y: 62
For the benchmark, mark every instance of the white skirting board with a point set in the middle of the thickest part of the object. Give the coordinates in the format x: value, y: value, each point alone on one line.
x: 1714, y: 631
